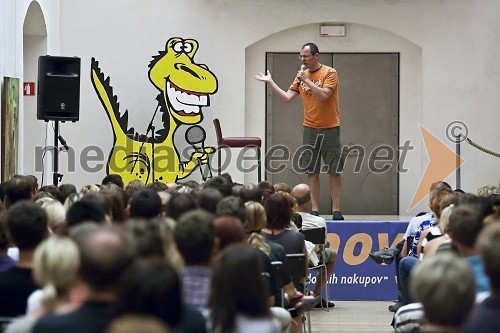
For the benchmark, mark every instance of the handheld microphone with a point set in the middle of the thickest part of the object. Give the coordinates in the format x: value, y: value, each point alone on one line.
x: 63, y: 142
x: 302, y: 68
x: 195, y: 135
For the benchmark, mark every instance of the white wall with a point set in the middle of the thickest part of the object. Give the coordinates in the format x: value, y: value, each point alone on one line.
x: 449, y: 64
x: 19, y: 52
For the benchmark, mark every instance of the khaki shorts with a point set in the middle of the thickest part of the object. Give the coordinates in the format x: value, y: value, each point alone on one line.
x: 324, y: 142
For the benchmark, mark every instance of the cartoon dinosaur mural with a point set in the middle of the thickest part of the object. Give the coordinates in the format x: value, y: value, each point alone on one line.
x: 184, y: 88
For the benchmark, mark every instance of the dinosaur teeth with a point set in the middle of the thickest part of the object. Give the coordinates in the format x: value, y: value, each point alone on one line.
x: 182, y: 100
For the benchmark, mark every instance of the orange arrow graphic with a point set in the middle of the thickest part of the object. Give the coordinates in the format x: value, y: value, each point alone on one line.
x: 442, y: 162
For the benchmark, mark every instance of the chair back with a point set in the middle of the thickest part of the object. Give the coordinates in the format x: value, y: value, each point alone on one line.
x: 298, y: 265
x: 277, y: 270
x: 316, y: 236
x: 278, y: 274
x: 218, y: 130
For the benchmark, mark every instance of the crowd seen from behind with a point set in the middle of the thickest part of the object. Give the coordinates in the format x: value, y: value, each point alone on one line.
x: 168, y: 257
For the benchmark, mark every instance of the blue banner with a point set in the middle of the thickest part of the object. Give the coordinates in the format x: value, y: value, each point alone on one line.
x: 356, y: 276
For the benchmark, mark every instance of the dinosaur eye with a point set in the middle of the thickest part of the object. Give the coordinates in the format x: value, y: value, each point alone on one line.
x: 188, y: 47
x: 178, y: 47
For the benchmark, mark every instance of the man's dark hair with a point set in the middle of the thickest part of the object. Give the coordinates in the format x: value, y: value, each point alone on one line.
x: 465, y: 223
x: 33, y: 182
x: 228, y: 177
x: 195, y: 236
x: 208, y: 199
x: 220, y: 183
x: 232, y: 206
x: 191, y: 184
x: 113, y: 178
x: 157, y: 186
x: 116, y: 201
x: 313, y: 47
x: 250, y: 192
x: 278, y: 211
x: 145, y: 286
x: 180, y: 203
x: 17, y: 189
x: 145, y: 203
x: 86, y: 209
x: 483, y: 204
x: 27, y: 223
x: 64, y: 191
x: 51, y: 189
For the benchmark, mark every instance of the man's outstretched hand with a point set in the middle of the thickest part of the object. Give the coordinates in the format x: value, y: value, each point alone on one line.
x: 264, y: 78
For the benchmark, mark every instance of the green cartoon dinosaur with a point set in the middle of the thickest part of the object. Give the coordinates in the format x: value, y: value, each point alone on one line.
x: 184, y: 88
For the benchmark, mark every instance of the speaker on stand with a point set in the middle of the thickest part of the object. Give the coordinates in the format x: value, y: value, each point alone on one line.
x: 58, y: 97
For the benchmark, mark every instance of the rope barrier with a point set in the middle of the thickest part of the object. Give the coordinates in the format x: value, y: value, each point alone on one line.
x: 475, y: 145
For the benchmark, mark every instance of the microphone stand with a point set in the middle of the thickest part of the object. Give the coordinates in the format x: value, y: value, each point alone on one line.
x: 150, y: 128
x: 56, y: 176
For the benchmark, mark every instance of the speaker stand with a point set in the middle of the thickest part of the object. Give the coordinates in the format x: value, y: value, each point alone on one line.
x: 57, y: 177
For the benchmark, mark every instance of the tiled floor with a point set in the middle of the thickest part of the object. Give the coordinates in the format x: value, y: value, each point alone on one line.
x: 353, y: 316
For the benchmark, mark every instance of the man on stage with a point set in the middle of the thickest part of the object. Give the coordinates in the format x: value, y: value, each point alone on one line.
x: 317, y: 86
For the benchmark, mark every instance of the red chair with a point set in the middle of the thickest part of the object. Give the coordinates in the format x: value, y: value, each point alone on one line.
x: 236, y: 142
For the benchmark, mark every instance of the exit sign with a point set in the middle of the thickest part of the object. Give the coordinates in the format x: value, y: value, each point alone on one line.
x: 29, y: 89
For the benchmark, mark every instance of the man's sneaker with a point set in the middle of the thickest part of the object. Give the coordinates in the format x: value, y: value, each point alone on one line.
x: 385, y: 256
x: 394, y: 307
x: 337, y: 216
x: 314, y: 212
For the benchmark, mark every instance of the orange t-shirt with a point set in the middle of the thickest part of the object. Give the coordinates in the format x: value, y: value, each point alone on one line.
x: 318, y: 113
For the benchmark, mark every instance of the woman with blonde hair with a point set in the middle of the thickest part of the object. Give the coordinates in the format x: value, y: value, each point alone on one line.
x: 55, y: 266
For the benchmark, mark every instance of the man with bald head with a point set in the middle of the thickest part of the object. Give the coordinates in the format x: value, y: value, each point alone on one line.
x: 302, y: 194
x: 106, y: 252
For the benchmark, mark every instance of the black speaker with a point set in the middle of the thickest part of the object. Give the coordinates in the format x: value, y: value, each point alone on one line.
x: 58, y: 88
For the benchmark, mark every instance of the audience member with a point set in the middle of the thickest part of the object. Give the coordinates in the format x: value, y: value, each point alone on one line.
x: 465, y: 224
x: 231, y: 206
x: 484, y: 317
x: 282, y: 187
x: 250, y: 192
x: 180, y: 203
x: 220, y: 183
x: 157, y: 186
x: 27, y: 226
x: 106, y: 252
x: 234, y: 308
x: 33, y: 181
x: 302, y: 194
x: 145, y: 203
x: 444, y: 284
x: 50, y: 189
x: 84, y: 210
x: 64, y: 191
x: 56, y: 214
x: 208, y: 199
x: 134, y: 186
x: 89, y: 189
x: 5, y: 261
x: 16, y: 189
x: 196, y: 241
x: 113, y: 178
x: 152, y: 287
x: 166, y: 227
x: 117, y: 200
x: 55, y: 266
